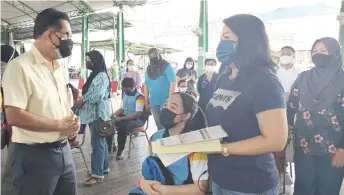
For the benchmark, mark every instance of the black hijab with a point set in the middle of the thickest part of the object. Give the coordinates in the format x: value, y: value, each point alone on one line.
x: 157, y: 64
x: 98, y: 62
x: 320, y: 86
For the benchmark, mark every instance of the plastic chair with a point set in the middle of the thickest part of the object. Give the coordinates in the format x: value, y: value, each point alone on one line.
x: 77, y: 145
x: 114, y: 90
x: 141, y: 129
x: 81, y: 83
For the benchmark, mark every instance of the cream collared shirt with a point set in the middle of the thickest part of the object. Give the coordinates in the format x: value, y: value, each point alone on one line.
x: 32, y: 83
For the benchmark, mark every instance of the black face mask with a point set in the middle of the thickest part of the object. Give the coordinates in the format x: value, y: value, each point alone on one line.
x: 130, y: 93
x: 89, y: 65
x: 65, y: 48
x: 321, y: 60
x: 167, y: 118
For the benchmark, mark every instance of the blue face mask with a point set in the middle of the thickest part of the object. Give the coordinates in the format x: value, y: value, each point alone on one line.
x: 224, y: 51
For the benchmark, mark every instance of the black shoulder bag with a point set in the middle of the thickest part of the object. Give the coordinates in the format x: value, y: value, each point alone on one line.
x: 105, y: 128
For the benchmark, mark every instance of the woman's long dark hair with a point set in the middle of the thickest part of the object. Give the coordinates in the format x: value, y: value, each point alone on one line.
x: 189, y: 59
x: 98, y: 62
x: 253, y: 46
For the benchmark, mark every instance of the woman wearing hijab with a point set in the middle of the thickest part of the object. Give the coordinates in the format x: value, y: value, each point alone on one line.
x: 317, y: 100
x: 160, y: 83
x: 188, y: 73
x: 7, y: 54
x: 250, y: 108
x: 95, y: 103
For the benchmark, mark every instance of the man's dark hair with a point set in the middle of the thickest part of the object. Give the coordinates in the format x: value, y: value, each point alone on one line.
x: 48, y: 18
x: 181, y: 81
x: 209, y: 60
x: 128, y: 83
x: 288, y: 47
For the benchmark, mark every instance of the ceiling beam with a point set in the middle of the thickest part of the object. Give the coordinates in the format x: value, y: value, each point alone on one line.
x: 22, y: 7
x: 5, y: 21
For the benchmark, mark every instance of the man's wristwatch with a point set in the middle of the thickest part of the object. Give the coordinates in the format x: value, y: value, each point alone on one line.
x: 224, y: 148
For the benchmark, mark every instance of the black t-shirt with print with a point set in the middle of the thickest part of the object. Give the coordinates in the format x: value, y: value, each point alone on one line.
x: 234, y: 106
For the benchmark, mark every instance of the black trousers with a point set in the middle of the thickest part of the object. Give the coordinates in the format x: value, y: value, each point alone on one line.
x: 123, y: 128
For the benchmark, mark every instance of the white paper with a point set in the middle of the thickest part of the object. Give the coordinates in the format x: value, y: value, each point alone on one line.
x: 169, y: 158
x: 209, y: 133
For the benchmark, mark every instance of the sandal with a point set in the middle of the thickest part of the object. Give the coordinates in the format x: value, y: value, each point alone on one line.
x: 119, y: 158
x: 92, y: 181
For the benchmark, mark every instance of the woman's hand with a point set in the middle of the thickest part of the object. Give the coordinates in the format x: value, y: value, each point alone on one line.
x: 338, y: 158
x: 147, y: 186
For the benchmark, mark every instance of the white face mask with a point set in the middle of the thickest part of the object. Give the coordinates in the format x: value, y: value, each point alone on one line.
x: 132, y: 68
x: 210, y: 68
x: 189, y: 66
x: 286, y: 60
x: 182, y: 89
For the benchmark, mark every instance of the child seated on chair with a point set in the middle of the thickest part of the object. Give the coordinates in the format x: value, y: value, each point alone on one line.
x: 187, y: 175
x: 128, y: 116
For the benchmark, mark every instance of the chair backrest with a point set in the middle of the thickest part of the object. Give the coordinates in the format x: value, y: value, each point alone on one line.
x: 81, y: 83
x: 114, y: 86
x: 143, y: 89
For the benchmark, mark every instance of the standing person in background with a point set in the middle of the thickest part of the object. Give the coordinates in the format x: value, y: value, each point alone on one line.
x: 287, y: 72
x: 38, y: 107
x: 317, y: 100
x: 95, y: 104
x: 188, y: 73
x: 206, y: 83
x: 7, y: 54
x: 133, y: 73
x: 160, y: 83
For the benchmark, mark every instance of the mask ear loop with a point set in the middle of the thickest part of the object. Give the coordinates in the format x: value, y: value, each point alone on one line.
x: 14, y: 50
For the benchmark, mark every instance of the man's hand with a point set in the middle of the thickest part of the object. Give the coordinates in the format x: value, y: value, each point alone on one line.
x: 76, y: 131
x: 338, y: 158
x: 147, y: 186
x: 80, y: 101
x: 118, y: 119
x: 68, y: 125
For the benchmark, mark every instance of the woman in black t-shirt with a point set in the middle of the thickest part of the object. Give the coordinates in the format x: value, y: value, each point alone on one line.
x: 250, y: 108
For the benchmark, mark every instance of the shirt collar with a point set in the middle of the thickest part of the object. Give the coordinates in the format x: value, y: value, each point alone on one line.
x: 40, y: 59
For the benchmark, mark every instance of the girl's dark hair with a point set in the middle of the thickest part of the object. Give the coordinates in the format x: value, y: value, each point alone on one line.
x: 253, y: 44
x: 189, y: 59
x: 189, y: 106
x: 210, y: 59
x: 129, y: 61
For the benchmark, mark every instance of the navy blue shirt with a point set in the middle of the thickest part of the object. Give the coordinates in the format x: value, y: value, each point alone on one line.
x: 206, y: 89
x: 234, y: 106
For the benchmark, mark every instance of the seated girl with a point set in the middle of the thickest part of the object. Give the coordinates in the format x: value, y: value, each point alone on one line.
x: 189, y: 174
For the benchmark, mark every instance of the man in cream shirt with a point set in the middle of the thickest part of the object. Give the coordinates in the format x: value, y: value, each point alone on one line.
x: 38, y: 107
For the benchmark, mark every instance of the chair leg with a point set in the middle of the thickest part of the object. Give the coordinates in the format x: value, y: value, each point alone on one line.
x: 84, y: 159
x: 291, y: 169
x: 146, y: 136
x: 130, y: 143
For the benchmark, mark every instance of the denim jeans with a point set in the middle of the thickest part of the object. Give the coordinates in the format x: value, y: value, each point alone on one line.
x: 99, y: 156
x: 315, y: 175
x: 6, y: 181
x: 217, y: 190
x: 155, y: 110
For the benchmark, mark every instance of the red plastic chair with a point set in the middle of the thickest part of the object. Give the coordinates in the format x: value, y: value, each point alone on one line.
x: 81, y: 83
x: 114, y: 89
x: 114, y: 86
